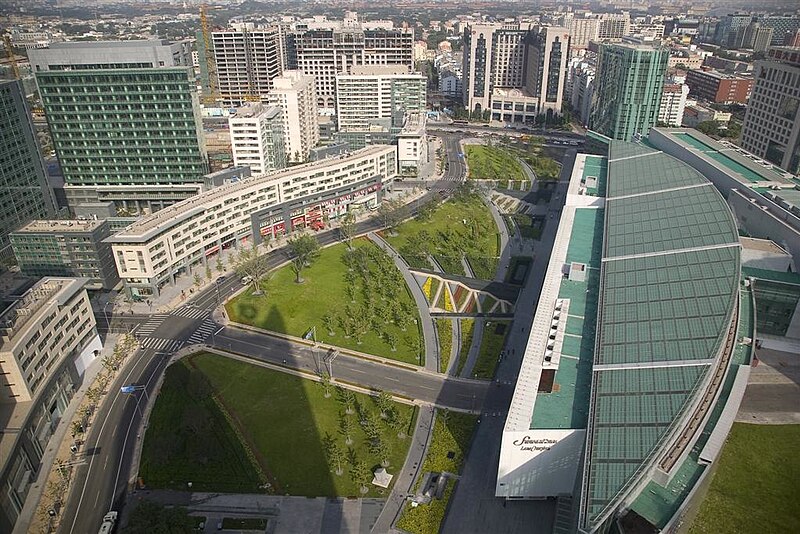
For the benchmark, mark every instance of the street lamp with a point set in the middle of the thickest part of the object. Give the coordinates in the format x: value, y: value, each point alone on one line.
x: 329, y: 360
x: 214, y: 334
x: 105, y: 313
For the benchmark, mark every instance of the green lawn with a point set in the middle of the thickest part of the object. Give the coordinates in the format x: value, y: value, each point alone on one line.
x: 447, y: 237
x: 756, y: 483
x: 284, y: 419
x: 453, y: 435
x: 492, y: 163
x: 467, y: 330
x: 444, y: 329
x: 293, y: 308
x: 491, y: 345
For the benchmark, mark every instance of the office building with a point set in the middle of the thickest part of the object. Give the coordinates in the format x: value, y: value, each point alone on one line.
x: 257, y: 138
x: 696, y: 113
x: 614, y: 26
x: 583, y: 75
x: 66, y: 248
x: 25, y: 193
x: 673, y: 104
x: 247, y: 58
x: 296, y: 95
x: 627, y: 89
x: 183, y: 239
x: 412, y: 144
x: 378, y: 95
x: 771, y: 128
x: 783, y: 28
x: 616, y: 417
x: 47, y: 339
x: 757, y: 37
x: 546, y: 66
x: 125, y: 122
x: 727, y: 29
x: 719, y: 88
x: 582, y: 31
x: 323, y: 48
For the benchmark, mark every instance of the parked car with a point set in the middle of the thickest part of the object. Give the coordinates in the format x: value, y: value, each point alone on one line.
x: 109, y: 520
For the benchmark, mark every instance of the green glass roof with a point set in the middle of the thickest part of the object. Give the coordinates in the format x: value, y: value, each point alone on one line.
x: 669, y: 284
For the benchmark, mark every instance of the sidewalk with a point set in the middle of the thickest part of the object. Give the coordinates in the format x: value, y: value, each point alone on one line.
x: 405, y: 479
x: 428, y: 330
x: 505, y: 250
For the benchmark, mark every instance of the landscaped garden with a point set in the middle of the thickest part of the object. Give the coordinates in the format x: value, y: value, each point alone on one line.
x: 229, y: 426
x: 755, y: 483
x: 452, y: 435
x: 494, y: 335
x: 444, y: 329
x: 492, y: 163
x: 467, y: 331
x: 355, y: 299
x: 460, y: 228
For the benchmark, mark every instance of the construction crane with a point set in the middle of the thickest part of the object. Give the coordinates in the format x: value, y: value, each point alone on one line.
x: 11, y: 58
x: 211, y: 66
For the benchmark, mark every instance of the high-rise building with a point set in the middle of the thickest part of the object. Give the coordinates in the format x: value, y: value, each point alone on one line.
x: 673, y: 104
x: 771, y: 128
x: 257, y: 138
x: 247, y: 59
x: 67, y: 248
x: 583, y: 30
x: 546, y: 66
x: 47, y: 339
x: 727, y: 29
x: 628, y: 87
x: 783, y: 28
x: 719, y: 87
x: 24, y: 192
x: 295, y: 93
x: 372, y: 95
x: 583, y: 76
x: 125, y: 121
x: 324, y: 48
x: 614, y: 26
x: 757, y: 36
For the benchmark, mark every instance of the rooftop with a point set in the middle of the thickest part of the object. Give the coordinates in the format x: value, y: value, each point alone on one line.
x: 255, y: 109
x: 381, y: 70
x: 78, y: 225
x: 723, y: 75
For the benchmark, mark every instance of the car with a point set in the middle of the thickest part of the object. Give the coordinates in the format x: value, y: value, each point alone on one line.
x: 109, y: 520
x: 246, y: 280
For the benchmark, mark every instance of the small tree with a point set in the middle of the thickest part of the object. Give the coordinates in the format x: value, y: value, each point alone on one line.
x: 304, y: 249
x: 383, y: 451
x: 250, y: 263
x: 329, y: 323
x: 197, y: 279
x: 361, y: 324
x: 391, y: 339
x: 384, y: 402
x: 335, y: 454
x: 208, y: 272
x: 399, y: 423
x: 220, y: 265
x: 349, y: 401
x: 346, y: 427
x: 325, y: 380
x: 360, y: 474
x: 347, y: 228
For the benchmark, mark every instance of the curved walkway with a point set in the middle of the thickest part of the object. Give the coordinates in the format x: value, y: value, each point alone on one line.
x: 428, y: 329
x: 505, y: 250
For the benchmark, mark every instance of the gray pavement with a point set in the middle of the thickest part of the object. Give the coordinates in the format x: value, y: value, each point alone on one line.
x: 474, y: 349
x: 773, y: 390
x: 428, y: 331
x: 505, y: 250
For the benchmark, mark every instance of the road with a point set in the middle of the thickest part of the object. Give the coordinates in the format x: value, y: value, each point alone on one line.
x: 100, y: 484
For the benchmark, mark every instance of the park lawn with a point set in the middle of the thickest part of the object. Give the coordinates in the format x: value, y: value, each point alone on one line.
x: 444, y: 329
x: 755, y: 484
x: 285, y: 418
x: 492, y: 163
x: 467, y: 331
x: 491, y: 345
x: 292, y: 308
x: 452, y: 432
x: 189, y: 440
x: 446, y: 237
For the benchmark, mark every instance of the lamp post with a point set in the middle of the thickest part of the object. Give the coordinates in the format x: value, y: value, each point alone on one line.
x: 214, y: 334
x: 105, y: 314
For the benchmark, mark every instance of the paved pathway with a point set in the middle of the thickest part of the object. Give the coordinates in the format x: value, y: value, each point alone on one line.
x: 404, y: 483
x: 428, y: 331
x: 474, y: 349
x: 455, y: 348
x: 505, y: 251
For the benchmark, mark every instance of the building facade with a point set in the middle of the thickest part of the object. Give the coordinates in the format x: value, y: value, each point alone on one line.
x: 582, y: 31
x: 771, y: 128
x: 125, y: 121
x: 718, y: 87
x: 546, y: 66
x: 247, y: 58
x: 673, y: 104
x: 257, y: 138
x: 296, y: 95
x: 324, y: 48
x: 372, y: 95
x: 627, y: 89
x: 67, y: 248
x: 25, y: 193
x: 183, y: 238
x: 47, y: 339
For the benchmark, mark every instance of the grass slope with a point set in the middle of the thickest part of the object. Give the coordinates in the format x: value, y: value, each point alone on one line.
x: 491, y: 345
x: 293, y: 308
x: 492, y: 163
x: 755, y: 488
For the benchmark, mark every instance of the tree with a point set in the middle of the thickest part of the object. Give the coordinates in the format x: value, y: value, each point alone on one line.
x: 384, y: 402
x: 346, y: 427
x: 361, y: 324
x: 348, y: 398
x: 250, y: 263
x: 208, y: 272
x: 149, y: 517
x: 325, y: 380
x: 197, y: 279
x: 360, y: 474
x: 347, y: 228
x: 329, y: 323
x: 399, y: 423
x: 334, y: 453
x: 415, y: 344
x: 708, y: 127
x: 391, y: 339
x: 382, y: 450
x: 304, y: 250
x: 390, y: 213
x: 220, y: 265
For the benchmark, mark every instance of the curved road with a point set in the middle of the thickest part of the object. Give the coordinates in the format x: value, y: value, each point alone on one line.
x: 100, y: 484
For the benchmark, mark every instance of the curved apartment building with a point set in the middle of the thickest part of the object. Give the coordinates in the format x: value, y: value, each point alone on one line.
x: 639, y: 350
x: 172, y: 242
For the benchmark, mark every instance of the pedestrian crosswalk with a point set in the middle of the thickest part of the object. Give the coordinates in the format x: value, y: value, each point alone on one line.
x: 190, y: 312
x: 202, y: 333
x: 166, y: 345
x: 152, y: 324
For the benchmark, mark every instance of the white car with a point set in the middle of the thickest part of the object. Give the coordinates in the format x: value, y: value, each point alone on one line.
x: 109, y: 520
